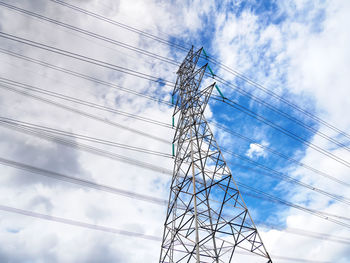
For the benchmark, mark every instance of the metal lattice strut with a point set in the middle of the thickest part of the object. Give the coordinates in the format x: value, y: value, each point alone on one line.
x: 207, y: 219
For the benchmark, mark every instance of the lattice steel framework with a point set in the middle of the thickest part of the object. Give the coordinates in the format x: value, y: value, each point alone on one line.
x: 207, y: 219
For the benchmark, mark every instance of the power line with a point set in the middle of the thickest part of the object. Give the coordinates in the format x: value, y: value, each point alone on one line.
x: 82, y: 102
x: 275, y: 174
x: 40, y: 128
x: 185, y: 48
x: 151, y: 199
x: 271, y: 172
x: 82, y: 76
x: 167, y: 103
x: 165, y: 59
x: 281, y: 113
x: 269, y: 197
x: 83, y: 113
x: 113, y: 156
x: 135, y: 49
x: 236, y: 88
x: 124, y: 26
x: 284, y: 156
x: 91, y: 34
x: 87, y: 148
x: 231, y: 102
x: 77, y: 223
x: 110, y: 229
x: 281, y: 129
x: 247, y: 168
x: 169, y: 83
x: 261, y: 194
x: 76, y: 100
x: 81, y: 182
x: 86, y: 59
x: 280, y: 98
x: 170, y: 173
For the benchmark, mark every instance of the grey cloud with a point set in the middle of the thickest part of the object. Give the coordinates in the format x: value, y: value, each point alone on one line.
x: 100, y: 251
x: 39, y: 153
x: 96, y: 213
x: 41, y: 200
x: 22, y: 253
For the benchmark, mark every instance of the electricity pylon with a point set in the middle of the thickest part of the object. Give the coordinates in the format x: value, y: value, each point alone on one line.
x: 207, y: 219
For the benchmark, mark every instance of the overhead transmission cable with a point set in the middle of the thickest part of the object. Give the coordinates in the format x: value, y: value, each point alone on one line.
x: 115, y: 230
x: 280, y: 98
x: 232, y: 103
x: 40, y: 128
x: 87, y: 59
x: 83, y: 102
x: 277, y: 153
x: 83, y: 113
x: 165, y: 59
x: 151, y: 199
x: 77, y: 223
x: 270, y: 172
x: 281, y: 129
x: 323, y: 215
x: 275, y: 174
x: 186, y: 47
x: 113, y: 156
x: 83, y: 76
x: 282, y: 113
x: 258, y: 194
x: 91, y: 34
x: 124, y: 26
x: 220, y: 126
x: 88, y: 148
x: 240, y: 107
x: 221, y: 80
x: 81, y: 181
x: 276, y: 110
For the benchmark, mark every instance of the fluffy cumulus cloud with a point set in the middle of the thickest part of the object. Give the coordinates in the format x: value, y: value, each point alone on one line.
x: 297, y: 49
x: 257, y: 150
x: 306, y: 53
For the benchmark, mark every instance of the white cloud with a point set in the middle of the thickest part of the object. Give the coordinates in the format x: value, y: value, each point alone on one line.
x: 42, y: 241
x: 312, y: 54
x: 257, y: 150
x: 316, y: 63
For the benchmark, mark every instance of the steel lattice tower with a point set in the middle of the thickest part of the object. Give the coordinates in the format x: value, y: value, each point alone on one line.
x: 207, y: 219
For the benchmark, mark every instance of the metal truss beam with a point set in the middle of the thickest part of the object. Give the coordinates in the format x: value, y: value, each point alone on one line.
x: 207, y: 219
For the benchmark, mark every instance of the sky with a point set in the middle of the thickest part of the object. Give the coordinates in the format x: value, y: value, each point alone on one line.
x: 296, y: 49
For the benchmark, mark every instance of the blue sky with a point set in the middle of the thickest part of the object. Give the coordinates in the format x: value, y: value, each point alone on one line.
x: 265, y: 63
x: 297, y: 49
x: 266, y: 13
